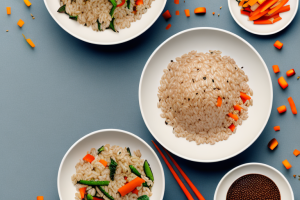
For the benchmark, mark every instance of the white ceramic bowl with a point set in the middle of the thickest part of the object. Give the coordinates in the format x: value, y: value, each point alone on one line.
x: 254, y: 168
x: 107, y: 37
x: 268, y: 29
x: 66, y: 189
x: 203, y: 40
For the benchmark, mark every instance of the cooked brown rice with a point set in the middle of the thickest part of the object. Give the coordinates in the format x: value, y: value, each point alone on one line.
x: 89, y: 11
x: 96, y: 171
x: 188, y: 94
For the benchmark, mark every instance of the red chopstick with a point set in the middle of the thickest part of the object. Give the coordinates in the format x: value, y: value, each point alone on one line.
x: 195, y: 190
x: 186, y: 192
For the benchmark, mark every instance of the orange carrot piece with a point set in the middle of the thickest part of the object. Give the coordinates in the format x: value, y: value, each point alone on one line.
x: 263, y: 21
x: 244, y: 96
x: 281, y: 109
x: 167, y: 15
x: 176, y: 1
x: 252, y: 2
x: 259, y: 15
x: 242, y: 2
x: 177, y: 12
x: 232, y: 127
x: 237, y: 107
x: 139, y: 2
x: 82, y: 192
x: 27, y: 2
x: 135, y: 191
x: 245, y: 13
x: 21, y: 23
x: 246, y: 5
x: 169, y: 26
x: 278, y: 44
x: 187, y: 12
x: 287, y: 164
x: 281, y: 10
x: 184, y: 189
x: 213, y: 13
x: 293, y: 106
x: 29, y: 41
x: 291, y: 72
x: 282, y: 3
x: 89, y: 158
x: 261, y: 1
x: 276, y: 69
x: 273, y: 144
x: 200, y: 10
x: 277, y: 19
x: 277, y: 128
x: 268, y: 5
x: 248, y: 9
x: 296, y: 152
x: 282, y: 82
x: 269, y: 17
x: 193, y: 187
x: 8, y: 10
x: 131, y: 186
x: 40, y: 198
x: 103, y: 162
x: 219, y: 102
x: 257, y: 11
x: 233, y: 116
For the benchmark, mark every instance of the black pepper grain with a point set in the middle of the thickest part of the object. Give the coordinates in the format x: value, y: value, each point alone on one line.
x: 204, y: 78
x: 213, y: 80
x: 166, y: 122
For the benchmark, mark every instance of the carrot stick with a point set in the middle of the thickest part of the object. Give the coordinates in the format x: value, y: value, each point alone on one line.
x: 200, y: 10
x: 296, y: 152
x: 237, y: 107
x: 263, y: 21
x: 219, y: 102
x: 252, y: 2
x: 269, y: 17
x: 293, y: 106
x: 82, y: 192
x: 286, y: 164
x: 268, y: 5
x: 248, y: 9
x: 278, y: 7
x: 273, y: 144
x: 89, y: 158
x: 103, y: 162
x: 242, y: 2
x: 281, y: 109
x: 40, y: 198
x: 282, y: 82
x: 244, y: 96
x: 245, y: 13
x: 8, y: 10
x: 184, y: 189
x: 176, y: 1
x: 259, y: 15
x: 139, y: 2
x: 232, y: 127
x: 277, y: 128
x: 27, y: 2
x: 169, y: 26
x: 125, y: 189
x: 276, y: 69
x: 278, y: 44
x: 291, y: 72
x: 195, y: 190
x: 187, y: 12
x: 233, y: 116
x: 277, y: 19
x: 281, y: 10
x: 29, y: 41
x: 167, y: 15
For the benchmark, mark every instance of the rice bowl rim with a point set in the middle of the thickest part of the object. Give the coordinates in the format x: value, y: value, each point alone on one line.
x: 110, y: 130
x: 211, y: 29
x: 108, y: 43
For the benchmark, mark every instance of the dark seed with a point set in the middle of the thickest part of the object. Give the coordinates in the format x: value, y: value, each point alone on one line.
x: 213, y: 80
x: 189, y: 99
x: 171, y: 60
x: 166, y: 122
x: 204, y: 78
x: 196, y: 93
x: 242, y: 67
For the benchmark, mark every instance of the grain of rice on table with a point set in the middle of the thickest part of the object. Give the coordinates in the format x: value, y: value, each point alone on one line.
x: 89, y: 11
x: 97, y: 172
x: 189, y: 90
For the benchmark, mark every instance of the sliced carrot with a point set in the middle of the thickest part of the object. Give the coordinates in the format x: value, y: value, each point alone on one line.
x: 176, y: 1
x: 213, y: 13
x: 135, y: 191
x: 29, y: 41
x: 244, y: 96
x: 269, y: 17
x: 291, y: 72
x: 292, y: 105
x: 169, y: 26
x: 278, y: 44
x: 177, y: 12
x: 261, y: 1
x: 103, y: 162
x: 277, y: 128
x: 273, y: 144
x: 257, y: 11
x: 246, y: 5
x: 245, y: 13
x: 219, y: 102
x: 276, y: 69
x: 139, y: 2
x: 296, y: 152
x: 281, y: 109
x: 200, y: 10
x: 248, y: 9
x: 131, y: 186
x: 268, y: 5
x: 167, y: 15
x: 259, y: 15
x: 233, y: 116
x: 82, y: 192
x: 287, y: 164
x: 281, y: 10
x: 277, y: 19
x: 242, y: 2
x: 232, y: 127
x: 282, y: 82
x: 187, y: 12
x: 40, y: 198
x: 282, y: 3
x: 263, y: 21
x: 252, y: 2
x: 27, y: 2
x: 89, y: 158
x: 21, y: 23
x: 8, y: 10
x: 237, y: 107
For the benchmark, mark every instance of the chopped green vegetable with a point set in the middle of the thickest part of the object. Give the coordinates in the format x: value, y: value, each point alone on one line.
x: 135, y: 171
x: 128, y: 150
x: 62, y: 9
x: 101, y: 148
x: 105, y: 193
x: 99, y: 28
x: 112, y: 25
x: 73, y: 17
x: 93, y: 183
x: 128, y: 4
x: 144, y: 197
x: 112, y: 166
x: 114, y: 3
x: 145, y: 184
x: 89, y: 197
x: 148, y: 171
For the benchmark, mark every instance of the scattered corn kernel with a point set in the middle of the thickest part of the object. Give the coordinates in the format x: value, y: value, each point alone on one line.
x: 29, y: 41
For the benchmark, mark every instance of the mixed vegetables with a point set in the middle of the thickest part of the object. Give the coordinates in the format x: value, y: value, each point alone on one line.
x: 130, y: 186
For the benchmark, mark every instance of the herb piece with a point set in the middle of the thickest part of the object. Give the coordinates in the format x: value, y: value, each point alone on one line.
x: 112, y: 167
x: 114, y: 3
x: 105, y: 193
x: 112, y: 25
x: 128, y: 4
x: 62, y: 9
x: 73, y: 17
x: 100, y: 150
x: 148, y: 170
x: 99, y: 25
x: 94, y: 183
x: 128, y: 150
x: 135, y: 171
x: 144, y: 197
x: 218, y: 15
x: 89, y: 197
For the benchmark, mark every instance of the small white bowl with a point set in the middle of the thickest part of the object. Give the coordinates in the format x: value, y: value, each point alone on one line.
x: 254, y: 168
x: 77, y: 151
x: 267, y: 29
x: 107, y: 37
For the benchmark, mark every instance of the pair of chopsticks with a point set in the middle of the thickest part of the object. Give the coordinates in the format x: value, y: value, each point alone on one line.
x: 184, y: 189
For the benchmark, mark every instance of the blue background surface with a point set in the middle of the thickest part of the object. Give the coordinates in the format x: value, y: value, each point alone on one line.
x: 54, y: 94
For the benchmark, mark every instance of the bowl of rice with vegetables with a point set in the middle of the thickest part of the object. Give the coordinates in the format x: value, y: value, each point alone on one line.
x: 112, y: 172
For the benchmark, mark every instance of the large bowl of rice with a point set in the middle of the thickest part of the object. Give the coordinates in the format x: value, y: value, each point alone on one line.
x: 205, y: 94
